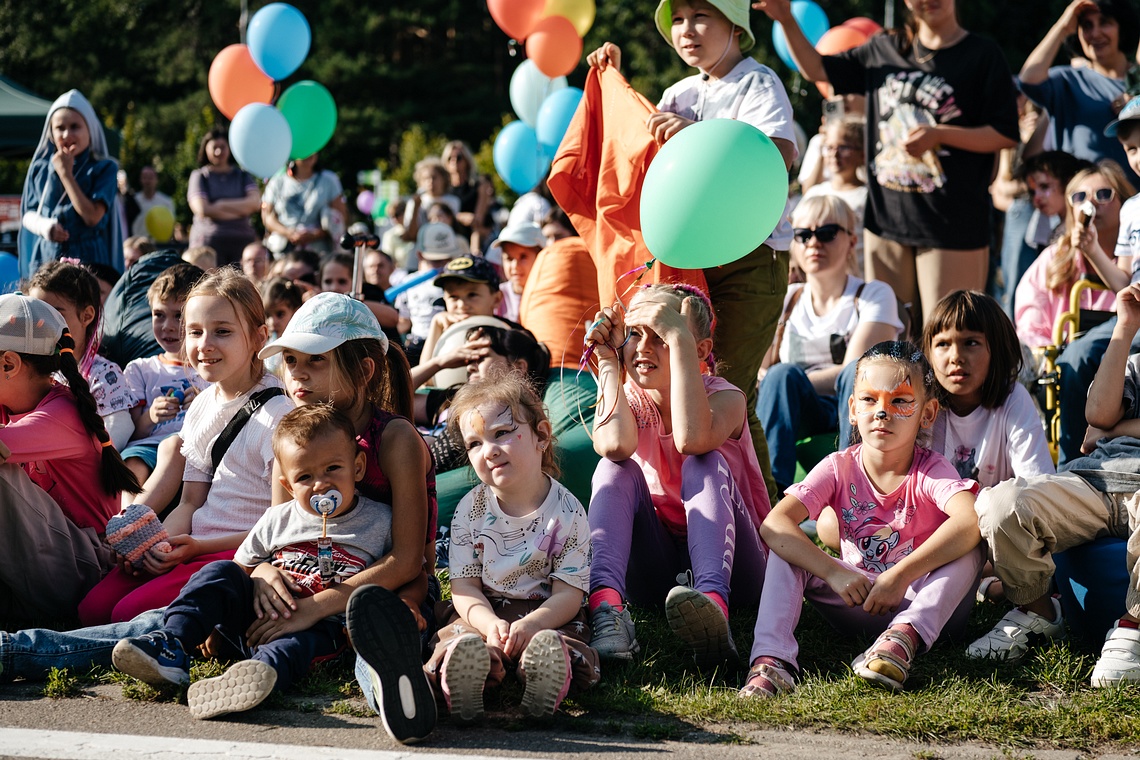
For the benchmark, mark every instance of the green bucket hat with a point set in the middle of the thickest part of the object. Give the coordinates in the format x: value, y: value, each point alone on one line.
x: 736, y: 11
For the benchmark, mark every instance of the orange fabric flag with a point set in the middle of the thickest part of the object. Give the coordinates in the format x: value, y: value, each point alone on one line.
x: 596, y: 178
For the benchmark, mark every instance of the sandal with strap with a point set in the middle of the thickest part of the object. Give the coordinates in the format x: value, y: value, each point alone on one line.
x: 768, y: 678
x: 887, y: 662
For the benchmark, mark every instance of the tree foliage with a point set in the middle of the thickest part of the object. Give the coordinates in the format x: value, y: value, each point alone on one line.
x: 438, y: 67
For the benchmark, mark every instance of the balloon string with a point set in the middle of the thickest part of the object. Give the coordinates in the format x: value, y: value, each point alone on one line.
x: 276, y: 93
x: 644, y: 269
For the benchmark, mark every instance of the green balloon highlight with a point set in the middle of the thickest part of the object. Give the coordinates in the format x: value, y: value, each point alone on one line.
x: 713, y: 193
x: 309, y: 109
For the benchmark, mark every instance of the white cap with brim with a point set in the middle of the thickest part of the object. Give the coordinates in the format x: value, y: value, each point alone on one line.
x: 1130, y: 112
x: 736, y: 11
x: 29, y: 326
x: 526, y: 234
x: 437, y: 242
x: 324, y: 322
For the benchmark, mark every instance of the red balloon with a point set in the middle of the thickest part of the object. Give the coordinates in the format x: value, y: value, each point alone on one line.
x: 554, y: 46
x: 516, y: 17
x: 836, y: 40
x: 864, y: 25
x: 235, y: 81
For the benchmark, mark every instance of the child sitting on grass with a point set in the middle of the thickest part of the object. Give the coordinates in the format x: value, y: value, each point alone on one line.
x: 316, y: 449
x: 520, y: 561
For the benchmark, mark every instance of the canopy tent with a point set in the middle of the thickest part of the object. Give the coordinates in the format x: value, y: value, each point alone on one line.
x: 22, y: 115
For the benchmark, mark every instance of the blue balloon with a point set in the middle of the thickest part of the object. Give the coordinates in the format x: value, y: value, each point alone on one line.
x: 554, y: 117
x: 260, y: 139
x: 813, y: 23
x: 9, y: 273
x: 519, y: 159
x: 278, y: 39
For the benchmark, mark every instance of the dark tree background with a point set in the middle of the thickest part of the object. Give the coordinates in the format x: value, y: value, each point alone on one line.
x: 404, y: 76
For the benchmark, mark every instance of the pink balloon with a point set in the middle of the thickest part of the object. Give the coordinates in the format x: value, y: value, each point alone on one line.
x: 864, y: 25
x: 516, y: 17
x: 365, y: 201
x: 554, y: 46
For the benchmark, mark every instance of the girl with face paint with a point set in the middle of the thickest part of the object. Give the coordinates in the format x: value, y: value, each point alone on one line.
x: 908, y: 535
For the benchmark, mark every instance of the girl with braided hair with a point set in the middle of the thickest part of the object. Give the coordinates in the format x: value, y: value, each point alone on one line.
x: 60, y: 476
x: 679, y: 488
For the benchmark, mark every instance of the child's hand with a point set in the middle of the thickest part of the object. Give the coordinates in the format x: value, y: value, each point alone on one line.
x: 497, y: 636
x: 421, y: 624
x: 664, y: 125
x: 608, y: 54
x: 63, y: 162
x: 164, y: 409
x: 886, y: 594
x: 606, y: 333
x: 777, y: 10
x: 522, y: 631
x: 188, y: 395
x: 125, y: 566
x: 851, y: 586
x: 1084, y: 237
x: 1092, y: 435
x: 182, y: 548
x: 670, y: 325
x: 273, y: 592
x: 1128, y: 305
x: 473, y: 350
x: 57, y: 234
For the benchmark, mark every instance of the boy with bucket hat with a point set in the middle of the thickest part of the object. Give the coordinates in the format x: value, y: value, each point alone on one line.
x: 712, y: 36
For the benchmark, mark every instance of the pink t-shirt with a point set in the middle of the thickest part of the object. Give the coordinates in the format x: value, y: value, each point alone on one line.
x: 877, y: 530
x: 61, y: 457
x: 661, y: 462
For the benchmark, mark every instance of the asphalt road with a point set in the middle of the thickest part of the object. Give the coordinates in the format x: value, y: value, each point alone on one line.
x: 103, y: 724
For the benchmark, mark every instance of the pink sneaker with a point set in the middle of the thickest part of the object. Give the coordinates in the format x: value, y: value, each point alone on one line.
x: 462, y: 675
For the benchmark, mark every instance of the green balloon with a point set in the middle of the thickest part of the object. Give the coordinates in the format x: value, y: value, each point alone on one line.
x: 311, y: 112
x: 713, y: 193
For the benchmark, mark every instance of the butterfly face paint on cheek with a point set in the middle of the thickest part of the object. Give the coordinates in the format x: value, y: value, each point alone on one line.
x: 883, y: 403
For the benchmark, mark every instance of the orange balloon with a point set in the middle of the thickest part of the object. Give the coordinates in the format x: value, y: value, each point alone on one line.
x: 837, y: 39
x: 516, y: 17
x: 235, y: 81
x: 864, y: 25
x: 554, y: 46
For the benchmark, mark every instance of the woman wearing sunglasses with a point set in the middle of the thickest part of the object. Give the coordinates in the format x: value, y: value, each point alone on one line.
x: 1084, y: 249
x: 827, y: 323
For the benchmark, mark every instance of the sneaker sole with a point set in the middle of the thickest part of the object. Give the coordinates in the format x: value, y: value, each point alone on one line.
x: 243, y: 687
x: 384, y: 633
x: 873, y: 676
x: 547, y: 667
x: 137, y: 663
x: 699, y: 622
x: 464, y: 675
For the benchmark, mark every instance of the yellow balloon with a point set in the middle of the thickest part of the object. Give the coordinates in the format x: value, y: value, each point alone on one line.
x: 580, y: 13
x: 160, y: 224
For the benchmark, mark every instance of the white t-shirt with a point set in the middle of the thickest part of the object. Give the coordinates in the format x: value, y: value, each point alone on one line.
x: 751, y: 93
x: 108, y: 387
x: 154, y: 376
x: 240, y: 488
x: 420, y: 304
x: 1128, y: 241
x: 138, y: 226
x: 992, y: 445
x: 509, y: 306
x: 517, y: 557
x: 807, y: 335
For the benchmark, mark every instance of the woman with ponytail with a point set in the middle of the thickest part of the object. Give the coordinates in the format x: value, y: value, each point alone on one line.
x: 60, y: 476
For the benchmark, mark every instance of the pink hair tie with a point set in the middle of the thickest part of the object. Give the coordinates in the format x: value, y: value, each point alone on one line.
x: 70, y: 260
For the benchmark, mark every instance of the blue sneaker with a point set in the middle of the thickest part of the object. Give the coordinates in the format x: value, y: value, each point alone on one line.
x: 156, y: 658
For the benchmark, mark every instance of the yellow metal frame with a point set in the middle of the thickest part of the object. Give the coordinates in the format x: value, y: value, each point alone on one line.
x: 1067, y: 326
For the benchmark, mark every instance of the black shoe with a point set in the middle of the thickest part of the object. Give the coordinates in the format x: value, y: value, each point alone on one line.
x: 383, y: 631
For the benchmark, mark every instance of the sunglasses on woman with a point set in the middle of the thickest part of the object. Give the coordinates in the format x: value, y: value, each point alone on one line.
x: 824, y: 233
x: 1104, y: 195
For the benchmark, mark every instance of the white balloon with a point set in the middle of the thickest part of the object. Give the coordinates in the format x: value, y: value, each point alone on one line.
x: 529, y: 88
x: 260, y: 139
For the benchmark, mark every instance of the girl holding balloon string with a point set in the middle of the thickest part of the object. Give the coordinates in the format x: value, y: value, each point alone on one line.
x: 713, y: 36
x: 940, y: 102
x: 68, y: 205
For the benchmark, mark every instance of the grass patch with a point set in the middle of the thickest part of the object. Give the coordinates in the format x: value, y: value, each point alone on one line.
x: 61, y: 684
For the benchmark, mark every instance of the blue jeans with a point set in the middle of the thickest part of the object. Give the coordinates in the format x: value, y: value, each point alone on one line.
x: 1016, y: 254
x: 1078, y: 364
x: 33, y: 653
x: 789, y: 408
x: 844, y: 389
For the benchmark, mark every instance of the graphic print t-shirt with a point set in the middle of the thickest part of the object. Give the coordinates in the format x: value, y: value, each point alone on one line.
x: 941, y: 198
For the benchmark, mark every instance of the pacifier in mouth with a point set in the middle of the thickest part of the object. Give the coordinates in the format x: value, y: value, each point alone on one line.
x: 326, y: 503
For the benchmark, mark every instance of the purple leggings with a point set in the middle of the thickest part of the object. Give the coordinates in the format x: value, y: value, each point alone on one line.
x: 635, y: 555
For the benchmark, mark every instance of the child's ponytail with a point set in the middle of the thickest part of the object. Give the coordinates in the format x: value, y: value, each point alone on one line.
x: 116, y: 476
x: 401, y: 393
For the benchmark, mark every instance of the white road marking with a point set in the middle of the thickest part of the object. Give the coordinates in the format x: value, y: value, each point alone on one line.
x: 71, y: 745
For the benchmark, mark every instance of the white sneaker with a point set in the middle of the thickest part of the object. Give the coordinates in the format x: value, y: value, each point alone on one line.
x: 1119, y: 658
x: 1015, y: 633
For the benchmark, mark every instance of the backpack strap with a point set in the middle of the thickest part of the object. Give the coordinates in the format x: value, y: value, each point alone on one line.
x: 239, y: 420
x: 778, y: 338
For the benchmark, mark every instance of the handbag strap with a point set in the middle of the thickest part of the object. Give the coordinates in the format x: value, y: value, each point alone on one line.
x: 793, y: 299
x: 239, y: 420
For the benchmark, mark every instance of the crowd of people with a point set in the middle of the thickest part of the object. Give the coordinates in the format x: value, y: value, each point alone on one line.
x: 230, y: 453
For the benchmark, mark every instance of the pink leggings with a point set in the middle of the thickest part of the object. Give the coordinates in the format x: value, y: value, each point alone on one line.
x: 120, y: 597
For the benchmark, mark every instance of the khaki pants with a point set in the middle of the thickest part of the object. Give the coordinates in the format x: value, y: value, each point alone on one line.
x: 748, y: 296
x: 922, y: 276
x: 1026, y: 520
x: 47, y: 562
